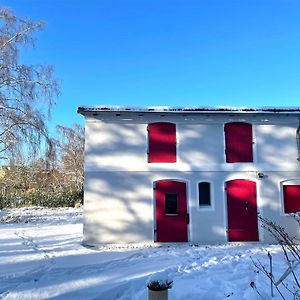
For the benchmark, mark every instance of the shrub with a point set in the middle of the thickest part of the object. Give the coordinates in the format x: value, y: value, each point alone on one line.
x: 159, y: 282
x: 291, y: 251
x: 157, y: 285
x: 59, y: 198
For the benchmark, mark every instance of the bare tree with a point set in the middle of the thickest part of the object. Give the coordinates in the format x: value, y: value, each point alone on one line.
x: 56, y: 179
x: 70, y: 147
x: 291, y: 250
x: 27, y: 92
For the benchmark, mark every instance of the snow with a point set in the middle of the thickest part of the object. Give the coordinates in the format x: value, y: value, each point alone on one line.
x: 42, y: 257
x: 188, y: 109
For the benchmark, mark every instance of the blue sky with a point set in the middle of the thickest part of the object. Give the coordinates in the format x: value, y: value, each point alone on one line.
x: 168, y: 52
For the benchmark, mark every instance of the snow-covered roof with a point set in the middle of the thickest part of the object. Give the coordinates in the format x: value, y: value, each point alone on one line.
x: 192, y: 109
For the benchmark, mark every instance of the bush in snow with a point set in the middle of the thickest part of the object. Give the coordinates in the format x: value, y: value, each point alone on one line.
x: 159, y: 282
x: 59, y: 198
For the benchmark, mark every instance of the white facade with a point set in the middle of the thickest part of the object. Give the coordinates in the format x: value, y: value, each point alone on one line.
x: 119, y: 198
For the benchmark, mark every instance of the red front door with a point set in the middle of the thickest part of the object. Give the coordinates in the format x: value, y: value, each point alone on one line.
x: 171, y: 211
x: 242, y: 210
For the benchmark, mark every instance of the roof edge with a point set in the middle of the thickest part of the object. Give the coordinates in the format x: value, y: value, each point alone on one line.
x: 194, y: 109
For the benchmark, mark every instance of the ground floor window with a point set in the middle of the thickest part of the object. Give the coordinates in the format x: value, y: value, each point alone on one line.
x: 204, y: 193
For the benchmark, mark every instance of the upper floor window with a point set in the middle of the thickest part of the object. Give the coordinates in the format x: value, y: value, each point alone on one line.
x: 291, y: 198
x: 204, y: 194
x: 161, y: 142
x: 238, y: 142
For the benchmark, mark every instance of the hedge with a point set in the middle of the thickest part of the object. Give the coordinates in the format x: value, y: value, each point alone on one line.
x: 42, y: 198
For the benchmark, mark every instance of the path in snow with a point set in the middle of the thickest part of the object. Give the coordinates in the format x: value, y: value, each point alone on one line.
x: 41, y: 257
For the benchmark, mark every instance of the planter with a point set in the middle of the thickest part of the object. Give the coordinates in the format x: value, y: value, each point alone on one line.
x: 158, y: 295
x: 158, y: 286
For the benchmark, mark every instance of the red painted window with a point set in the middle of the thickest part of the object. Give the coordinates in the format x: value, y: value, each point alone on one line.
x: 238, y: 142
x: 171, y: 203
x: 162, y: 142
x: 291, y: 197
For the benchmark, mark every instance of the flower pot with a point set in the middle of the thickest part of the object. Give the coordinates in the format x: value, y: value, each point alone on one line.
x: 158, y: 295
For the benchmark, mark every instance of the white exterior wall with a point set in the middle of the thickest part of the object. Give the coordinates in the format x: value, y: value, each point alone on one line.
x: 119, y: 199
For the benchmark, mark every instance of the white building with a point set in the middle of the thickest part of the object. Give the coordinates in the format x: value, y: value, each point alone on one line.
x: 196, y: 175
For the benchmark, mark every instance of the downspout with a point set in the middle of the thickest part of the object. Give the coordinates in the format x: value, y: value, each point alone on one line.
x: 298, y: 140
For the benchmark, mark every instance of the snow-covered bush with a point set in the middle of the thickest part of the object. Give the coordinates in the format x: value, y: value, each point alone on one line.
x: 42, y: 198
x: 159, y: 282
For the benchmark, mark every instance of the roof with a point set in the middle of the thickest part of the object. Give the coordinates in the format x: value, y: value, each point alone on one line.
x: 196, y: 109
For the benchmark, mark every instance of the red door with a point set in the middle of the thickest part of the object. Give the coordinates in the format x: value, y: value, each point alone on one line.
x: 171, y: 211
x: 242, y: 210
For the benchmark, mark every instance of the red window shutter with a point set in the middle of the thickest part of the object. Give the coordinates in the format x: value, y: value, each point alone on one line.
x: 162, y: 142
x: 238, y: 142
x: 291, y: 196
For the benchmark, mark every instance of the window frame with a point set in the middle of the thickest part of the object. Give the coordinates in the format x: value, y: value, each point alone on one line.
x: 172, y: 214
x: 210, y: 207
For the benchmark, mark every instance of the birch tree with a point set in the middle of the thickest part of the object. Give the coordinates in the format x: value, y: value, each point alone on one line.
x: 70, y: 148
x: 27, y: 92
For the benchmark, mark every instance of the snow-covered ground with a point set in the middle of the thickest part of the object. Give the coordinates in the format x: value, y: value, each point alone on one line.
x: 41, y: 257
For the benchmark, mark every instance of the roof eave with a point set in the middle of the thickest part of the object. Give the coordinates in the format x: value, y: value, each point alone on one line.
x: 163, y: 109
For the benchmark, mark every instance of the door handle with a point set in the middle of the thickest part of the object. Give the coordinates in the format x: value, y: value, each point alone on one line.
x: 246, y: 205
